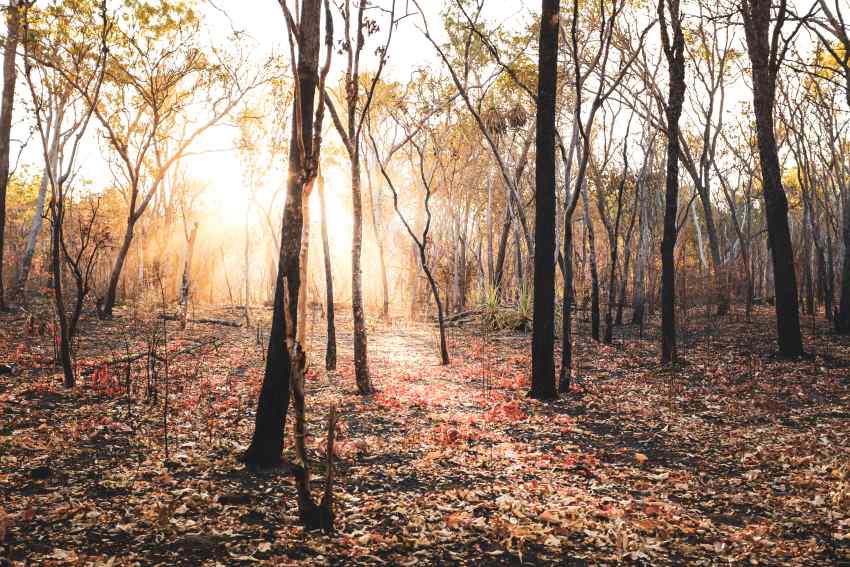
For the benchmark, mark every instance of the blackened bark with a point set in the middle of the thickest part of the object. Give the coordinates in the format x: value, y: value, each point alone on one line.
x: 267, y: 442
x: 543, y: 332
x: 842, y: 317
x: 565, y: 375
x: 764, y: 57
x: 674, y: 51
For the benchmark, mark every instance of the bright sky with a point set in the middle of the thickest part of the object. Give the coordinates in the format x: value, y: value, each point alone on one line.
x: 264, y: 24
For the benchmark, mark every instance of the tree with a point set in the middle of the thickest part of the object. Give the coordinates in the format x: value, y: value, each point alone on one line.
x: 159, y: 73
x: 330, y: 348
x: 674, y: 51
x: 304, y: 155
x: 59, y: 133
x: 421, y: 241
x: 7, y: 101
x: 88, y: 66
x: 543, y: 332
x: 766, y: 46
x: 834, y: 23
x: 357, y: 105
x: 585, y: 64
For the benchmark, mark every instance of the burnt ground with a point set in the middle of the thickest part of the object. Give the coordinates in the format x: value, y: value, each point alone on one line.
x: 733, y: 457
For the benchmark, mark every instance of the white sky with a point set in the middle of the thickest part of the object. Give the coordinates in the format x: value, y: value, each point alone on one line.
x: 262, y: 21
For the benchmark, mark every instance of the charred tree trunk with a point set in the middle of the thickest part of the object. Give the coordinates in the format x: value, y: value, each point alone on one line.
x: 543, y: 333
x: 674, y: 51
x: 764, y: 55
x: 565, y: 375
x: 267, y: 441
x: 842, y: 316
x: 62, y: 334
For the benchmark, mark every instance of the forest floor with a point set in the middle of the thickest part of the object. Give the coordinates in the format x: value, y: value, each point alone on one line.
x: 735, y: 456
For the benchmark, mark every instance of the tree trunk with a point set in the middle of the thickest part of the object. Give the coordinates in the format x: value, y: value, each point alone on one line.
x: 842, y: 317
x: 61, y: 335
x: 757, y: 27
x: 361, y: 360
x: 491, y: 272
x: 674, y: 52
x: 186, y: 279
x: 330, y: 349
x: 503, y: 250
x: 118, y: 265
x: 267, y: 441
x: 23, y: 272
x: 543, y: 332
x: 6, y: 104
x: 304, y: 266
x: 643, y: 252
x: 594, y: 272
x: 565, y: 375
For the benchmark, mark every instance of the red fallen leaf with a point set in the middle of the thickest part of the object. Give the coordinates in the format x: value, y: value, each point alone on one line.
x: 458, y: 519
x: 28, y: 514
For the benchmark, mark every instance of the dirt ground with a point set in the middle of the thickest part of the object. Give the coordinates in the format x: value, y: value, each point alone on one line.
x: 734, y: 457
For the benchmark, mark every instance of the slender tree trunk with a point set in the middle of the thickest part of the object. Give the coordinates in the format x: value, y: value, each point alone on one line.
x: 842, y: 317
x: 565, y: 375
x: 543, y: 332
x: 674, y: 51
x: 502, y: 252
x: 246, y: 253
x: 23, y: 271
x: 118, y: 265
x: 643, y: 251
x: 303, y: 267
x: 361, y: 360
x: 61, y: 335
x: 6, y: 103
x: 594, y: 272
x: 185, y: 281
x: 808, y: 281
x: 491, y: 272
x: 330, y: 349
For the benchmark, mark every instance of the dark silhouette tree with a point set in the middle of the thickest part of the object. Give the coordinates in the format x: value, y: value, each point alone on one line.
x: 766, y: 46
x: 543, y: 326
